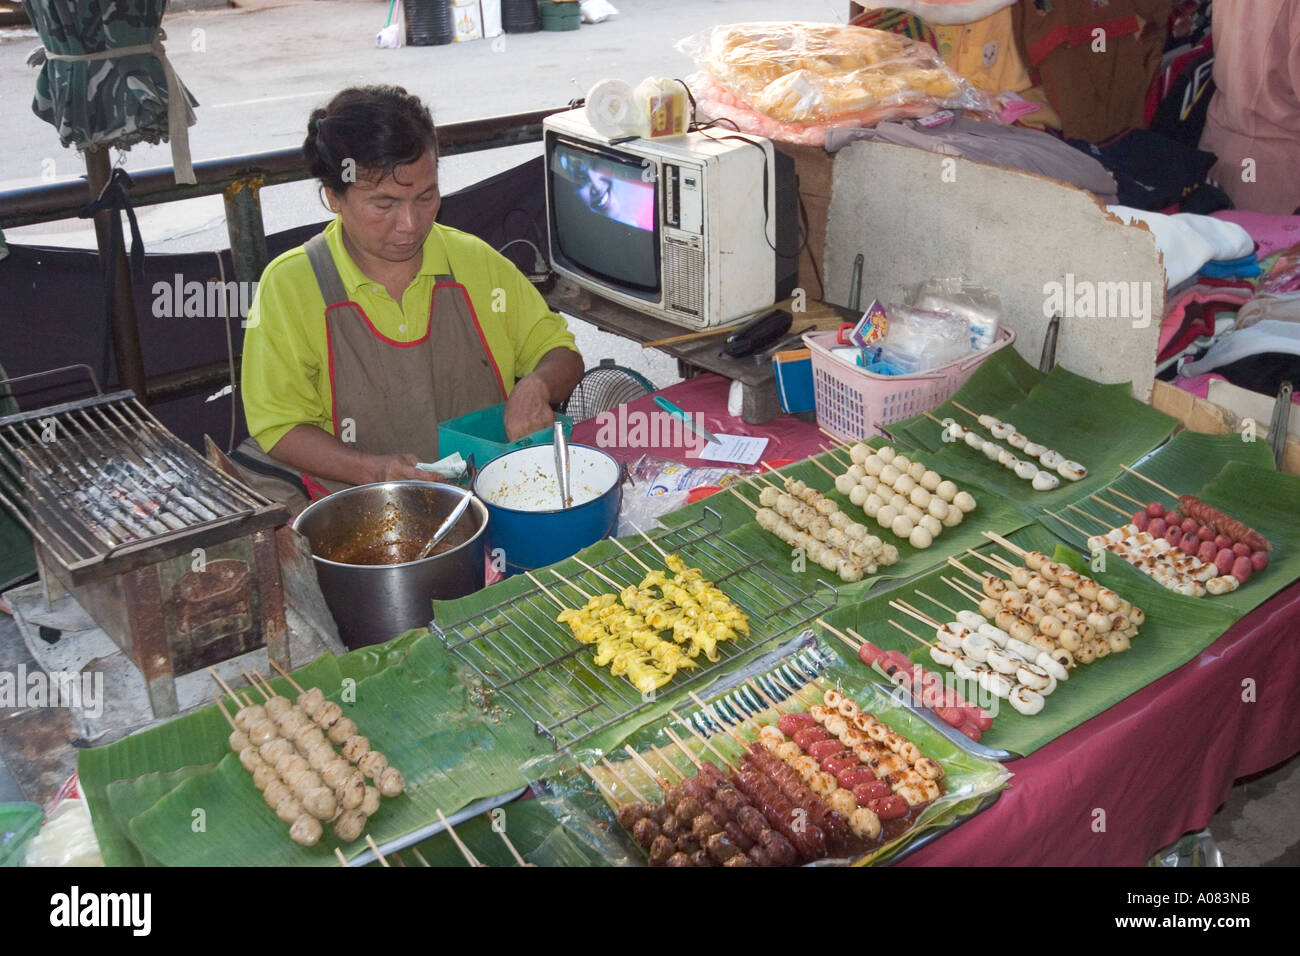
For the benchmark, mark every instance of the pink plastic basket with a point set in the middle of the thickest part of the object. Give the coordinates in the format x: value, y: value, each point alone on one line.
x: 851, y: 401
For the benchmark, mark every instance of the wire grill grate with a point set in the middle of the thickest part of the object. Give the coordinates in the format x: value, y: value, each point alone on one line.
x: 520, y: 650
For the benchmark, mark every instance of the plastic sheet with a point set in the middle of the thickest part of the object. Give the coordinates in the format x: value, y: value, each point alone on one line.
x: 793, y: 81
x: 587, y: 816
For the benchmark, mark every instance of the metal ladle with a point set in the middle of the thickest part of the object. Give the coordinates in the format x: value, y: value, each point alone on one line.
x: 562, y: 464
x: 445, y: 527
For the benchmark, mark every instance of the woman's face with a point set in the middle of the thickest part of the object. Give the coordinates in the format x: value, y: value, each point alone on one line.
x: 389, y: 218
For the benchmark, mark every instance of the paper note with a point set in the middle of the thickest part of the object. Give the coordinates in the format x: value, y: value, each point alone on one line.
x: 738, y: 449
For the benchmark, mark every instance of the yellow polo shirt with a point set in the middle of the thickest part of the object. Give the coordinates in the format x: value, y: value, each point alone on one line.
x: 286, y: 379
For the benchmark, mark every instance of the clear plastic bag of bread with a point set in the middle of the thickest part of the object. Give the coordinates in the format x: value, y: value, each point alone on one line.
x: 793, y: 80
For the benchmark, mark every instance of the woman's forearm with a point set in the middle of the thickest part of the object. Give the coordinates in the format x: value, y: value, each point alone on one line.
x: 315, y: 451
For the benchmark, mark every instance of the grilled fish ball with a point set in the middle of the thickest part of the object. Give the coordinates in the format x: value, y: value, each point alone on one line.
x: 964, y: 501
x: 277, y: 707
x: 352, y: 792
x: 859, y: 452
x: 391, y: 782
x: 329, y: 714
x: 889, y: 474
x: 303, y: 782
x: 306, y: 831
x: 289, y: 809
x: 264, y: 776
x: 843, y: 484
x: 953, y: 517
x: 920, y: 538
x: 370, y: 805
x: 350, y: 824
x: 247, y: 717
x: 261, y: 732
x: 905, y: 484
x: 938, y: 507
x: 930, y: 481
x: 343, y: 728
x: 290, y: 763
x: 864, y: 824
x: 886, y: 515
x: 769, y: 496
x: 914, y: 514
x: 239, y: 740
x: 931, y: 524
x: 920, y: 497
x: 373, y: 764
x: 251, y: 759
x: 311, y: 700
x: 336, y: 772
x: 274, y: 749
x: 321, y: 756
x: 321, y: 803
x: 355, y: 747
x: 308, y: 738
x: 873, y: 465
x: 886, y: 453
x: 292, y: 721
x: 275, y: 792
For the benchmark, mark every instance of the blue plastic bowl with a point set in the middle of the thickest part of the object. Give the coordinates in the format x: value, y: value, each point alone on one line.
x: 527, y: 527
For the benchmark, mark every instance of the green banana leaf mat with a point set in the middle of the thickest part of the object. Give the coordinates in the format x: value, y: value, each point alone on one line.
x: 1177, y: 628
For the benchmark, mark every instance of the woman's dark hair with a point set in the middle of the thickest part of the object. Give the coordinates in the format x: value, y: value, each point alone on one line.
x: 376, y: 127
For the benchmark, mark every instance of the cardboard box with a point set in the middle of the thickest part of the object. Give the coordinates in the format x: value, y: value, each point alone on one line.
x: 812, y: 167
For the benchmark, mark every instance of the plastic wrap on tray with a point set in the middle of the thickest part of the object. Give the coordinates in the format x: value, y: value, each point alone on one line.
x: 564, y: 786
x: 792, y: 80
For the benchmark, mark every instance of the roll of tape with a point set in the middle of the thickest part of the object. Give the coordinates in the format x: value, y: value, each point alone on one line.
x: 611, y: 108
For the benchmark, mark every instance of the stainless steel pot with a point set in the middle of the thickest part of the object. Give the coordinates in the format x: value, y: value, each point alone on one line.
x: 359, y: 539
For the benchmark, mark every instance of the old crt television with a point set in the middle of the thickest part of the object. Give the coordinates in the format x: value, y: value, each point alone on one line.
x: 699, y: 231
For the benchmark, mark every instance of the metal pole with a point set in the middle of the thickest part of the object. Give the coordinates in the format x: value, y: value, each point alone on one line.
x: 126, y: 332
x: 245, y: 228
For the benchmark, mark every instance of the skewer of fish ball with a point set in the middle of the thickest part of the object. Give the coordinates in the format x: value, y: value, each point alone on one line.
x: 325, y: 783
x: 1050, y: 459
x: 304, y: 829
x: 356, y: 748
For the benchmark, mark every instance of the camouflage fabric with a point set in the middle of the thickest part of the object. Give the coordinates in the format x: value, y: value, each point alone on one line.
x: 94, y: 104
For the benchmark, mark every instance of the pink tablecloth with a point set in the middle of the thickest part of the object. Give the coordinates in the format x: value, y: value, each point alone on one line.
x: 1134, y: 778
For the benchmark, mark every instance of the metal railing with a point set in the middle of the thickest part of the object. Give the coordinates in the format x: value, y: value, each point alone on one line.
x: 239, y: 180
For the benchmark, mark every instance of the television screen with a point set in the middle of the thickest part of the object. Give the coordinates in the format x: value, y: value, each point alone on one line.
x: 605, y: 214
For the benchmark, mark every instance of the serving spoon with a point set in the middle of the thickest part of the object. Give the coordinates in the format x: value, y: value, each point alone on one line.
x: 445, y: 527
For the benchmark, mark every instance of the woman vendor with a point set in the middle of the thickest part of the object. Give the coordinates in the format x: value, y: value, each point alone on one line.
x: 364, y: 338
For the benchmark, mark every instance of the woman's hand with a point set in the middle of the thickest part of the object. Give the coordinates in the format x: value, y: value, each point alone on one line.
x: 400, y: 468
x: 528, y: 409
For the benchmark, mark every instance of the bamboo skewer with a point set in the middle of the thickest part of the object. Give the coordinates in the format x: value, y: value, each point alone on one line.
x: 834, y: 439
x: 761, y: 693
x: 653, y: 543
x: 798, y: 693
x: 914, y: 613
x: 991, y: 560
x: 379, y: 856
x: 221, y: 706
x: 343, y: 860
x: 964, y: 589
x: 814, y: 461
x: 828, y: 627
x: 919, y: 640
x: 470, y: 858
x: 752, y: 506
x: 1102, y: 501
x: 830, y: 453
x: 1086, y: 514
x: 628, y: 552
x: 604, y: 577
x: 663, y: 759
x: 646, y: 768
x: 974, y: 575
x: 1068, y: 524
x: 614, y: 772
x: 1153, y: 483
x: 681, y: 745
x: 519, y: 860
x: 1118, y: 493
x: 285, y: 674
x: 546, y: 591
x: 419, y: 856
x: 224, y: 685
x: 935, y: 601
x: 584, y: 594
x: 605, y: 791
x: 998, y: 539
x: 964, y: 409
x: 701, y: 738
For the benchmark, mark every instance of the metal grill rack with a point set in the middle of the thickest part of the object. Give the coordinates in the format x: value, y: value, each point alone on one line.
x: 103, y: 486
x: 520, y: 650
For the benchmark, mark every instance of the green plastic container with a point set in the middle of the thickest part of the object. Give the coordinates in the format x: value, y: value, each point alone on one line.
x: 560, y: 16
x: 19, y: 822
x: 483, y: 434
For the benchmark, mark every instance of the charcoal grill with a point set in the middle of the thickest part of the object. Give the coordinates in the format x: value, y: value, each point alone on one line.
x: 174, y: 559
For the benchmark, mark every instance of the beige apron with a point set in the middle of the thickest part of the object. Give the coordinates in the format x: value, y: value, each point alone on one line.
x: 388, y: 396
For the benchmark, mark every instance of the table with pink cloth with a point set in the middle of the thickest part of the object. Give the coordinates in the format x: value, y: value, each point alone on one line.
x: 1135, y: 777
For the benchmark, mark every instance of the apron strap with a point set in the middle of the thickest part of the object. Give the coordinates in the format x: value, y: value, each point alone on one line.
x: 327, y: 273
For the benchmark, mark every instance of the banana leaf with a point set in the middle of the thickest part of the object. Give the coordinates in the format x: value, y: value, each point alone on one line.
x: 992, y: 512
x: 1100, y: 426
x: 1177, y: 628
x: 970, y: 782
x: 526, y: 823
x: 425, y: 712
x: 1235, y: 476
x: 129, y: 798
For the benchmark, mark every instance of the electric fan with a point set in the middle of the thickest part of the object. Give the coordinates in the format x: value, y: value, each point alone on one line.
x: 604, y: 387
